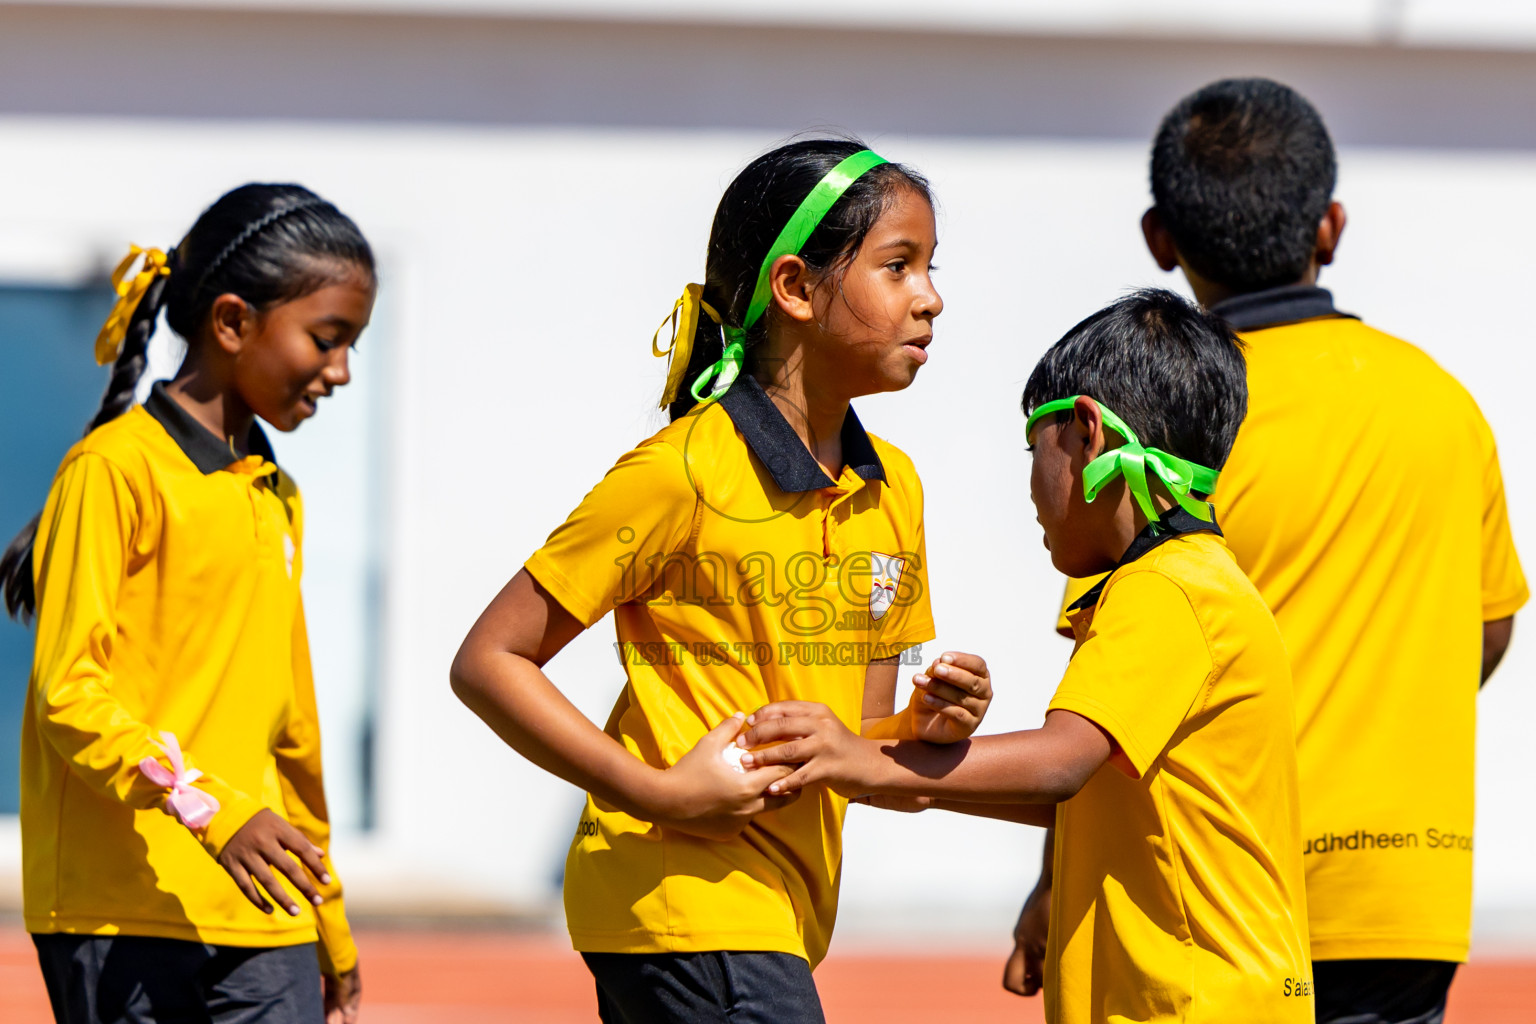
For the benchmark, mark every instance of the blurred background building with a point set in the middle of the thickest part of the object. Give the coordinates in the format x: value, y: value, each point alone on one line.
x: 539, y: 179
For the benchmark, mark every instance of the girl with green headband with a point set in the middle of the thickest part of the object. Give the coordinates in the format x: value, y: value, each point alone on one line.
x: 762, y: 547
x: 1167, y: 761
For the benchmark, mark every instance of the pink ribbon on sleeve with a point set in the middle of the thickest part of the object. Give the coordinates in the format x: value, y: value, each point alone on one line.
x: 192, y: 807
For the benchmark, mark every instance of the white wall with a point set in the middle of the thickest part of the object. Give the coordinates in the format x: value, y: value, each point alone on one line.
x: 530, y: 247
x: 326, y: 68
x: 1487, y: 23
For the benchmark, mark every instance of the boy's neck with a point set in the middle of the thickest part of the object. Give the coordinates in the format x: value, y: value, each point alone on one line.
x: 1209, y: 293
x: 1129, y: 522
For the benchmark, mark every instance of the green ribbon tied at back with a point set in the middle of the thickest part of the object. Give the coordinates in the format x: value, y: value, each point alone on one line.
x: 1134, y: 461
x: 718, y: 377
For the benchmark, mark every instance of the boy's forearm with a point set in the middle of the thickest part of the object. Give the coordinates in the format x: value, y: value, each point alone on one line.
x: 1031, y: 767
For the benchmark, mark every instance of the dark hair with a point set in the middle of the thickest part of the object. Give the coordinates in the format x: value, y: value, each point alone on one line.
x: 1242, y: 173
x: 753, y: 211
x: 268, y: 244
x: 1172, y: 371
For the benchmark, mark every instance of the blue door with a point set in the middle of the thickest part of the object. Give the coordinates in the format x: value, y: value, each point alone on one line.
x: 49, y: 387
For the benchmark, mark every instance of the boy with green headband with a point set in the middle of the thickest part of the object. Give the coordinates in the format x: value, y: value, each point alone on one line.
x: 1167, y: 761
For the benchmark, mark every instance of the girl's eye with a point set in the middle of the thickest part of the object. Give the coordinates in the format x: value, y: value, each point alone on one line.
x: 896, y: 266
x: 324, y: 344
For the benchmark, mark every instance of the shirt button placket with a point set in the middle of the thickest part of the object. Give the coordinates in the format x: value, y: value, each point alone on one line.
x: 828, y: 528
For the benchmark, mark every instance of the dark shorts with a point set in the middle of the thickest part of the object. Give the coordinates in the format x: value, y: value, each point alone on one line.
x: 100, y: 979
x: 1382, y: 991
x: 704, y: 988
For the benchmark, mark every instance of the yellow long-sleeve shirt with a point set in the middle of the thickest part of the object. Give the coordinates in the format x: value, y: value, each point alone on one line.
x: 167, y: 574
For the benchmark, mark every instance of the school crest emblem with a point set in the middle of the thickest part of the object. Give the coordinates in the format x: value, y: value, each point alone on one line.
x: 885, y: 574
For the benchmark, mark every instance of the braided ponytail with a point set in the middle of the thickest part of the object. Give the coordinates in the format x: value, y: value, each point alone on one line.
x: 268, y: 244
x: 132, y: 361
x: 16, y: 573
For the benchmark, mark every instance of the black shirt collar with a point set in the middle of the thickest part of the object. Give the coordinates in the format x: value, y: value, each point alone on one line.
x: 1274, y: 306
x: 1173, y: 523
x: 200, y: 444
x: 780, y: 449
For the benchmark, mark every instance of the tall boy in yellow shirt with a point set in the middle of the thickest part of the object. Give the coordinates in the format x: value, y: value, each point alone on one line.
x: 1167, y: 759
x: 1364, y: 499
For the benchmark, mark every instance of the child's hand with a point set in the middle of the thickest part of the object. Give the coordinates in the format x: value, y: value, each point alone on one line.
x: 343, y: 994
x: 1025, y: 971
x: 951, y: 698
x: 266, y: 842
x: 704, y: 796
x: 797, y: 732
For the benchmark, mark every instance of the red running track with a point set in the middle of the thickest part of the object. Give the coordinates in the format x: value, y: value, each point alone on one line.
x: 495, y: 978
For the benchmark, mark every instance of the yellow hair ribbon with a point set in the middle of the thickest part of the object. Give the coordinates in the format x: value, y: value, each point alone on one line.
x: 130, y: 292
x: 684, y: 319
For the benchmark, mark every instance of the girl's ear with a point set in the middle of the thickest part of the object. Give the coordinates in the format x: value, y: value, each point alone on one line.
x: 232, y: 321
x: 792, y: 288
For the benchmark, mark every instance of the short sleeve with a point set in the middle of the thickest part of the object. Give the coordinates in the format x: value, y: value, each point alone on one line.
x: 609, y: 551
x: 1077, y: 586
x: 910, y: 620
x: 1504, y: 586
x: 1140, y: 669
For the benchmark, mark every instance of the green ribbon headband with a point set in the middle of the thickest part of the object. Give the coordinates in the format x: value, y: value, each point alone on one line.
x: 794, y: 236
x: 1132, y: 461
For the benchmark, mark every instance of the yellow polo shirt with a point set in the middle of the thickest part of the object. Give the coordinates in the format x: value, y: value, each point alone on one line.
x: 1179, y: 891
x: 167, y: 575
x: 738, y: 573
x: 1364, y: 499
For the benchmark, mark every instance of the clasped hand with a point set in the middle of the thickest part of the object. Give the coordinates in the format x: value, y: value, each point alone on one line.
x: 704, y: 796
x: 949, y: 702
x: 951, y: 698
x: 792, y: 744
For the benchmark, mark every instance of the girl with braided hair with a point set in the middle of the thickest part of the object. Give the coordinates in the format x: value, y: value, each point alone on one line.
x: 171, y: 789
